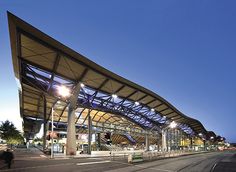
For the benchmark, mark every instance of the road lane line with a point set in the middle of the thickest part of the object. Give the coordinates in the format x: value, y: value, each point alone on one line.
x: 95, y: 158
x: 96, y: 162
x: 141, y: 166
x: 213, y: 168
x: 157, y: 169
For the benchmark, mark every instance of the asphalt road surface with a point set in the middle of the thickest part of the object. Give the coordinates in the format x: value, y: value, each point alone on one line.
x: 207, y: 162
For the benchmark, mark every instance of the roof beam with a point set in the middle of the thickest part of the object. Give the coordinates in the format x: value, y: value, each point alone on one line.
x: 164, y: 109
x: 56, y: 63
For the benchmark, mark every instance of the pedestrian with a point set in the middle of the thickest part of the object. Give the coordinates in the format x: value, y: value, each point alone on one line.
x: 8, y: 157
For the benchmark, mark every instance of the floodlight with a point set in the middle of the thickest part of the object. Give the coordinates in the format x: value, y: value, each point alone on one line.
x: 82, y: 85
x: 63, y: 91
x: 114, y: 96
x: 173, y: 124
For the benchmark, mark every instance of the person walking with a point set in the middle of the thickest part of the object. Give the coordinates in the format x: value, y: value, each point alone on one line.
x: 8, y: 156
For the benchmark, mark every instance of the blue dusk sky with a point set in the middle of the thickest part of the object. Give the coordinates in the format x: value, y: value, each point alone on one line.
x: 183, y: 50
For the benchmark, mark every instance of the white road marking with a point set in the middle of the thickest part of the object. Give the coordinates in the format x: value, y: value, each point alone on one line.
x: 141, y: 166
x: 60, y: 158
x: 97, y: 162
x: 157, y: 169
x: 213, y: 168
x: 95, y: 158
x: 36, y: 157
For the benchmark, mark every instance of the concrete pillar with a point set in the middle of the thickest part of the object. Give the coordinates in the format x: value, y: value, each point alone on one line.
x: 163, y: 136
x: 44, y: 122
x: 71, y: 139
x: 89, y: 132
x: 147, y: 141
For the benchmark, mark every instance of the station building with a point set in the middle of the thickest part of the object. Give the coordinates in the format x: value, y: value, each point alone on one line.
x: 83, y: 106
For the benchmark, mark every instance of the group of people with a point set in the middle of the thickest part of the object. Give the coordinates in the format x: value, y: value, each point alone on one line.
x: 8, y: 157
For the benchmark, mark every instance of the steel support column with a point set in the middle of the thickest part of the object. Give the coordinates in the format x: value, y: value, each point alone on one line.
x: 178, y: 139
x: 204, y: 145
x: 181, y: 140
x: 167, y: 140
x: 147, y: 141
x: 175, y: 139
x: 98, y: 141
x: 89, y: 132
x: 44, y: 122
x: 191, y: 143
x: 171, y: 139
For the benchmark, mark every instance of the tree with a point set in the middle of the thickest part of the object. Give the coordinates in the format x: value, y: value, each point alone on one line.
x: 9, y: 133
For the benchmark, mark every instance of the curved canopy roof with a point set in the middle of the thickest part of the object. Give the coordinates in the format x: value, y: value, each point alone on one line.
x: 41, y: 63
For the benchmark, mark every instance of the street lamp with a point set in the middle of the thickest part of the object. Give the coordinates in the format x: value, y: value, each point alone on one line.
x: 64, y: 92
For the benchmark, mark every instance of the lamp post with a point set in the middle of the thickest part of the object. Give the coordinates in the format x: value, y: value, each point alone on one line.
x: 52, y: 143
x: 64, y: 92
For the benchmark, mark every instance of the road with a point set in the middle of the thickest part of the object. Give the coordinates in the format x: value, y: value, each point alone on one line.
x: 35, y: 162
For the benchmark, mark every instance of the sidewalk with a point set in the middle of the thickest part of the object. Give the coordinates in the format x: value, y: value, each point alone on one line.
x: 96, y: 154
x: 146, y: 155
x: 30, y: 153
